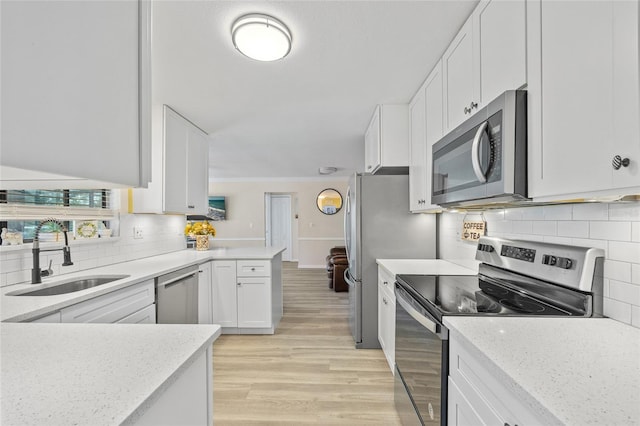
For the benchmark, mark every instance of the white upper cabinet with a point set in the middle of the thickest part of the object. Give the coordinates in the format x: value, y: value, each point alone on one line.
x: 181, y: 172
x: 584, y: 99
x: 487, y: 57
x: 75, y: 94
x: 386, y: 140
x: 425, y: 121
x: 459, y: 74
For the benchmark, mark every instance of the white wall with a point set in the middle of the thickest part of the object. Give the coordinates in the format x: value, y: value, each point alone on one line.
x: 615, y: 228
x: 161, y: 234
x: 313, y: 233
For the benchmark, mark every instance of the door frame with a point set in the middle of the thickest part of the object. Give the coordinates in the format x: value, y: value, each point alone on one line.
x: 288, y: 254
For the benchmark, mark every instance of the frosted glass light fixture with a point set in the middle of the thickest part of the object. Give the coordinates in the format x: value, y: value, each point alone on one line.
x: 261, y: 37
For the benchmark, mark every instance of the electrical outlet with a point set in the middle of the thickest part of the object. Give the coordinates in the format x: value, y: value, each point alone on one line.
x: 137, y: 232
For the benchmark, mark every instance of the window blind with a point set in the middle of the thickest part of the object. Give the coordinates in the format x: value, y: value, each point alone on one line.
x: 63, y: 204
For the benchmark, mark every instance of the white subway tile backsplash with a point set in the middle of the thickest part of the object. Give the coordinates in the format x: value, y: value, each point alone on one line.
x: 557, y: 240
x: 617, y: 310
x: 614, y: 228
x: 545, y: 227
x: 161, y: 234
x: 585, y: 242
x: 577, y: 229
x: 561, y: 212
x: 590, y: 211
x: 624, y: 292
x: 635, y: 316
x: 616, y: 231
x: 635, y: 232
x: 620, y: 271
x: 625, y: 252
x: 523, y: 227
x: 624, y: 211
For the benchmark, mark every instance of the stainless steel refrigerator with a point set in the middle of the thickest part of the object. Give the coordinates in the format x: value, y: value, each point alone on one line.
x: 378, y: 225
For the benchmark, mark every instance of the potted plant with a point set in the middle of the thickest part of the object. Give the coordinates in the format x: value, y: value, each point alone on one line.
x: 201, y: 231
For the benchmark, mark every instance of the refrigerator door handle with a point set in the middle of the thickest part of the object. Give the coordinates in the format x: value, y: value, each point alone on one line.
x: 347, y: 225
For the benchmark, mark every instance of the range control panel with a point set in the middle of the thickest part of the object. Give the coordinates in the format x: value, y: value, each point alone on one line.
x: 528, y: 255
x: 571, y: 266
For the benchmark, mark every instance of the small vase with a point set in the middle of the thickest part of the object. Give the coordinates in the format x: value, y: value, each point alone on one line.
x: 202, y: 242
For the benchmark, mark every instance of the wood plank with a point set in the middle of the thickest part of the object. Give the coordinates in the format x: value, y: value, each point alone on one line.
x: 309, y: 371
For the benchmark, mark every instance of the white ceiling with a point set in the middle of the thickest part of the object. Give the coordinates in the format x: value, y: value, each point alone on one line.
x: 290, y: 117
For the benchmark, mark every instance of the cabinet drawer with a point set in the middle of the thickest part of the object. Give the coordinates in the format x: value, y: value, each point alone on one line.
x: 491, y: 398
x: 112, y: 307
x: 143, y: 316
x: 387, y: 281
x: 253, y: 268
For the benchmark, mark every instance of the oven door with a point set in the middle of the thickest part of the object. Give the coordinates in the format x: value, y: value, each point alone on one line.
x: 422, y: 353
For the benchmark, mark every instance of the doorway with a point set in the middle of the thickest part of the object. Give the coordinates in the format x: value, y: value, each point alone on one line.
x: 278, y: 223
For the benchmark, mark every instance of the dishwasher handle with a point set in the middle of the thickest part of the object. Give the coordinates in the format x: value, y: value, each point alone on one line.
x: 172, y: 279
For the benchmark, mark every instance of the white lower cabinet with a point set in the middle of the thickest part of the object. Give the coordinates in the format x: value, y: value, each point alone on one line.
x: 205, y: 299
x: 387, y: 316
x: 478, y: 397
x: 188, y: 400
x: 247, y: 295
x: 143, y: 316
x: 112, y: 307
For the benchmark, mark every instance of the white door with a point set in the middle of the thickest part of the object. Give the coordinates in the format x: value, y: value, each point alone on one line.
x: 279, y: 228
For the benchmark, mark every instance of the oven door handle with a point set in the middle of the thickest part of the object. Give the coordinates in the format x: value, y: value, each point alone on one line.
x: 425, y: 321
x: 475, y: 153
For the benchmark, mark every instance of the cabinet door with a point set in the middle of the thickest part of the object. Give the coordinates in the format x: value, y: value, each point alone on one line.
x: 459, y: 411
x: 417, y: 152
x: 460, y: 75
x: 626, y: 95
x: 71, y: 89
x: 372, y: 151
x: 197, y: 172
x: 254, y: 302
x: 585, y: 98
x: 205, y: 299
x: 224, y: 293
x: 501, y: 44
x: 176, y: 134
x: 382, y: 323
x: 434, y: 125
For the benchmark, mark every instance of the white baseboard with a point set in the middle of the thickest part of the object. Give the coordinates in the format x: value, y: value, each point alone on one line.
x: 312, y: 266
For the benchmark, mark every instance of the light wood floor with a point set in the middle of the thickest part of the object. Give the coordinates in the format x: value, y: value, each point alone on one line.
x: 308, y: 371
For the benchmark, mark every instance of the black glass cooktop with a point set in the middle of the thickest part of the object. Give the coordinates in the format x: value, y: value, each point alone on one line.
x: 474, y: 295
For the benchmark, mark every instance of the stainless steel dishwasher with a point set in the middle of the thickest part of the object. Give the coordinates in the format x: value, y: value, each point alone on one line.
x: 177, y: 297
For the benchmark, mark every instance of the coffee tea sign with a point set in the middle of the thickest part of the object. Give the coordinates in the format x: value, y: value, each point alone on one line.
x: 472, y: 230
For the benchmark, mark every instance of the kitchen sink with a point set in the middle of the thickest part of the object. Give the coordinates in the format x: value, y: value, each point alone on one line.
x: 69, y: 286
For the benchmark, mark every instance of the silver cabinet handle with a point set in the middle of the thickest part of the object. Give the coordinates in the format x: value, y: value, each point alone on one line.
x: 473, y: 105
x: 475, y: 153
x: 618, y: 162
x: 191, y: 207
x: 239, y: 283
x: 253, y: 269
x: 384, y: 299
x: 369, y: 167
x: 385, y: 282
x: 466, y: 110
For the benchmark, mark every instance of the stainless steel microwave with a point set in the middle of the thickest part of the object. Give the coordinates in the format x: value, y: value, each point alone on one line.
x: 484, y: 160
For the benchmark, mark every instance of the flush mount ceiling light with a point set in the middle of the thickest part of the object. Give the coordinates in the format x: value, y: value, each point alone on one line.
x: 261, y: 37
x: 327, y: 170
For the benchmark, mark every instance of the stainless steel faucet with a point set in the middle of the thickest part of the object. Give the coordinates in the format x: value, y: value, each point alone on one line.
x: 36, y: 273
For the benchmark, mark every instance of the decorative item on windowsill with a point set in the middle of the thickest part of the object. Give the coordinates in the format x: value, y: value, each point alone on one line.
x: 201, y: 231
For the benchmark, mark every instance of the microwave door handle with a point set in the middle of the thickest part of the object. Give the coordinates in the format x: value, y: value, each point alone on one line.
x: 475, y: 153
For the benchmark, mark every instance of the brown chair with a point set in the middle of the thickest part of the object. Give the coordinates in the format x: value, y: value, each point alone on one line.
x: 335, y: 251
x: 340, y: 264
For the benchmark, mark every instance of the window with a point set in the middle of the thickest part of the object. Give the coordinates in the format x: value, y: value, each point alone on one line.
x: 22, y: 210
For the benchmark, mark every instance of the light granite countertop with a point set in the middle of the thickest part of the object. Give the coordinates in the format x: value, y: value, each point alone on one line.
x: 574, y: 371
x: 92, y: 374
x: 26, y: 308
x: 429, y: 266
